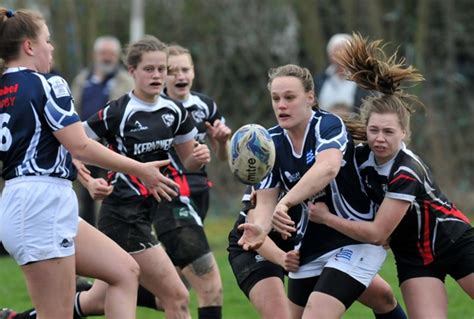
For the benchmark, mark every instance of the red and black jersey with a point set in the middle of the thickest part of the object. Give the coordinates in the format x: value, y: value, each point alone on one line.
x: 142, y: 131
x: 432, y: 223
x: 201, y: 109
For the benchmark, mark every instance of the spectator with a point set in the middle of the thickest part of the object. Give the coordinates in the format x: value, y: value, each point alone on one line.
x: 332, y: 88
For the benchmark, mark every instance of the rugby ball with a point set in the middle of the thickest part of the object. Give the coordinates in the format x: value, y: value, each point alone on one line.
x: 251, y: 153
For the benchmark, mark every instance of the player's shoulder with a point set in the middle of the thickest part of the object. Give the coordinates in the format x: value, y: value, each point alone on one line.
x: 203, y: 97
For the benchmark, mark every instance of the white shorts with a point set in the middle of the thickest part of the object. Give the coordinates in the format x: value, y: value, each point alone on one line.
x: 361, y: 261
x: 38, y: 218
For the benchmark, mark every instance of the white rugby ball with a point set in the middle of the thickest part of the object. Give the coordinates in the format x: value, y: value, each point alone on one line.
x: 251, y: 153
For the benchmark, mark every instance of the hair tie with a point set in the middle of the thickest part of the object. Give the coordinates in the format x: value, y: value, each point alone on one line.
x: 10, y: 13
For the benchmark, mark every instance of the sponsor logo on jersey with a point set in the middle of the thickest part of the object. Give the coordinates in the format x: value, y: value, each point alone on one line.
x: 168, y: 119
x: 59, y: 86
x: 152, y: 146
x: 259, y: 258
x: 139, y: 127
x: 344, y: 254
x: 9, y: 89
x: 292, y: 177
x: 310, y: 157
x: 8, y: 101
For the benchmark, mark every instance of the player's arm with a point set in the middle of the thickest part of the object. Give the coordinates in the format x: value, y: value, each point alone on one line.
x: 91, y: 152
x: 271, y: 252
x: 192, y: 154
x: 323, y: 171
x: 259, y: 223
x: 375, y: 232
x: 219, y: 135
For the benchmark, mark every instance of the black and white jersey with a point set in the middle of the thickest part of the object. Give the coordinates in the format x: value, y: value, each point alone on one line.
x: 344, y: 195
x: 142, y: 131
x: 32, y: 107
x: 202, y: 109
x: 431, y: 224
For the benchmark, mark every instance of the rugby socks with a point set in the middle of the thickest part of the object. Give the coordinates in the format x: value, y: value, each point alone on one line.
x: 146, y: 299
x: 211, y: 312
x: 77, y: 307
x: 396, y: 313
x: 29, y: 314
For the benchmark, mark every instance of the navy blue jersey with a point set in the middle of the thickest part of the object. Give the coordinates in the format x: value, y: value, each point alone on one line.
x: 344, y: 195
x: 32, y: 107
x: 202, y: 109
x: 432, y: 223
x: 142, y: 131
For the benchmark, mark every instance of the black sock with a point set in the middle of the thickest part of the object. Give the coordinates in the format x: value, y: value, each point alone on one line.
x: 212, y: 312
x: 146, y: 298
x: 396, y: 313
x: 29, y: 314
x: 77, y: 307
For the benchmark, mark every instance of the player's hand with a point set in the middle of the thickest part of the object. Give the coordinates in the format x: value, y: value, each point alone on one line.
x: 99, y: 188
x: 253, y: 236
x: 159, y: 185
x: 282, y: 222
x: 218, y: 131
x: 82, y: 170
x: 292, y: 261
x: 201, y: 153
x: 318, y: 212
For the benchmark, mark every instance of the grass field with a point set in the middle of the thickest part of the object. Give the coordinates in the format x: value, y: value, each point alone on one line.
x: 13, y: 293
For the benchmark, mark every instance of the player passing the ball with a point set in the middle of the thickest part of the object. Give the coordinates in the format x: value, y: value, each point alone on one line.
x: 314, y: 162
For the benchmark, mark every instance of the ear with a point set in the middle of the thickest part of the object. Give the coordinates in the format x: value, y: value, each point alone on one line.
x: 310, y: 98
x: 131, y: 70
x: 27, y: 47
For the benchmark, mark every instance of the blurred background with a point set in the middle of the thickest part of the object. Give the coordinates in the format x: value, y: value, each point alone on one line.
x: 235, y: 42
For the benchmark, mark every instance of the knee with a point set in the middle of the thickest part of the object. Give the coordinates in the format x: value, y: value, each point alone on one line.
x: 130, y: 271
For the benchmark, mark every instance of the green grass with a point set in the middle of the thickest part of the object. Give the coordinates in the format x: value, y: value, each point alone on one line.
x: 13, y: 293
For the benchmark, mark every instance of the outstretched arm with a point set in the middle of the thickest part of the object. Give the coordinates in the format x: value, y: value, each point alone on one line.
x: 375, y: 232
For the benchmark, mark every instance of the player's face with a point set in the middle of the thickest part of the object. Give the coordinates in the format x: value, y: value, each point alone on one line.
x: 180, y: 78
x: 43, y: 50
x: 149, y: 75
x: 291, y: 104
x: 384, y: 136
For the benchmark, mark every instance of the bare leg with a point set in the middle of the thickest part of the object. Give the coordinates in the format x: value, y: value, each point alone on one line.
x: 269, y: 298
x: 51, y: 285
x: 321, y: 305
x: 378, y: 296
x: 203, y: 275
x: 99, y: 257
x: 159, y: 276
x: 467, y: 283
x: 296, y: 311
x: 425, y: 297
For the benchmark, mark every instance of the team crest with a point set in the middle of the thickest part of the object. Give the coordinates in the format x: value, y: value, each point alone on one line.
x: 198, y: 116
x: 168, y: 119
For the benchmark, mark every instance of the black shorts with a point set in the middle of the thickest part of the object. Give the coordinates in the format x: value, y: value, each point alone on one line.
x: 457, y: 261
x: 249, y: 268
x: 185, y: 244
x: 200, y: 200
x: 332, y: 282
x: 180, y: 212
x: 129, y: 224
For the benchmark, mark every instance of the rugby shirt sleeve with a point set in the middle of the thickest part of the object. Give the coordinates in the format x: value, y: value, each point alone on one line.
x: 186, y: 129
x: 59, y: 107
x: 330, y: 133
x: 101, y: 124
x: 404, y: 183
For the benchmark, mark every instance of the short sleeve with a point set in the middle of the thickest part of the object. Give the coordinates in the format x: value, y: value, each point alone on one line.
x: 59, y: 107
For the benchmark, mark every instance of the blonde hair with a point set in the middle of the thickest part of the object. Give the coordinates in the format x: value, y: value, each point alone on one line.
x: 367, y: 64
x: 296, y: 71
